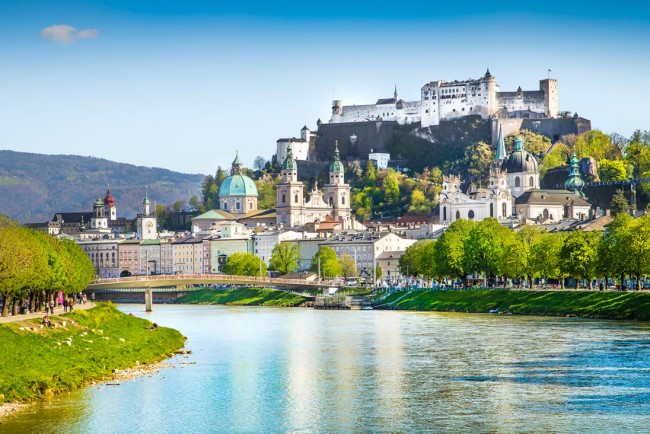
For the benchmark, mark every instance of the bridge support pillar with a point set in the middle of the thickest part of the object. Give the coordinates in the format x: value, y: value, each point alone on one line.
x: 148, y: 300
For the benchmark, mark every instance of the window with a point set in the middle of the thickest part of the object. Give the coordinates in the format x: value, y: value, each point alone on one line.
x: 504, y: 210
x: 470, y: 214
x: 225, y: 206
x: 343, y: 200
x: 295, y: 199
x: 517, y: 182
x: 237, y: 206
x: 531, y: 182
x: 444, y: 213
x: 491, y: 210
x: 457, y: 215
x: 284, y: 199
x: 331, y: 201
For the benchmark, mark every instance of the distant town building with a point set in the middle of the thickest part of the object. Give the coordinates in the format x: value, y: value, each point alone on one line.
x: 380, y: 159
x: 299, y: 146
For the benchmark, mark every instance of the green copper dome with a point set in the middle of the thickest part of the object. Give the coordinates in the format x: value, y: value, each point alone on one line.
x: 289, y: 162
x: 574, y: 181
x: 237, y: 185
x: 520, y: 160
x: 99, y: 202
x: 337, y: 166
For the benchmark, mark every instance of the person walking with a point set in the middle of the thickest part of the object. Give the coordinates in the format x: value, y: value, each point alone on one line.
x: 51, y: 307
x: 65, y: 305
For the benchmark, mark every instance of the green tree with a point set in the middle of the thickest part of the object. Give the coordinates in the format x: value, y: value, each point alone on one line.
x: 329, y: 264
x: 637, y: 246
x: 348, y: 266
x: 391, y: 187
x: 259, y: 163
x: 596, y: 144
x: 612, y: 170
x: 411, y: 263
x: 267, y: 193
x: 545, y: 256
x: 485, y: 248
x: 619, y: 203
x: 371, y: 174
x: 244, y: 264
x: 450, y: 251
x: 578, y: 255
x: 478, y: 159
x: 558, y: 156
x: 194, y: 203
x: 285, y: 257
x: 534, y: 143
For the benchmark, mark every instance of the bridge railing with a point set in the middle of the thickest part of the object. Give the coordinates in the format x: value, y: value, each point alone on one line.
x: 210, y: 277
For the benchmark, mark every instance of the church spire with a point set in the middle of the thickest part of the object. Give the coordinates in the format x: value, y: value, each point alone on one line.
x: 395, y: 93
x: 501, y: 147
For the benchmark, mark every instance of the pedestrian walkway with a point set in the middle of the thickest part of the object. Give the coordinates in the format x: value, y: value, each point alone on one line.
x: 41, y: 314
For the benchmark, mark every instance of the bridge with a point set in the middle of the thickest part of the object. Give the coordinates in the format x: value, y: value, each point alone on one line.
x: 182, y: 281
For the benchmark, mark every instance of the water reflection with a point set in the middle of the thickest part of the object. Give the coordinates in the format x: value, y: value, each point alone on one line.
x: 261, y: 370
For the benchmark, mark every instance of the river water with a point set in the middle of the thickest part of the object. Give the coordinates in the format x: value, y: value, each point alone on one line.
x: 304, y: 370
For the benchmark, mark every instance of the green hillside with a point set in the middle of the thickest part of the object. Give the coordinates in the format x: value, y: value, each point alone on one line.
x: 33, y: 187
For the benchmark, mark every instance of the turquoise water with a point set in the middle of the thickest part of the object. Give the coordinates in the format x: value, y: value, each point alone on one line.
x: 304, y: 370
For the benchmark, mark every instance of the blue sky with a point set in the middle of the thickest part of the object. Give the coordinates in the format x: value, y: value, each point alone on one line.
x: 183, y: 84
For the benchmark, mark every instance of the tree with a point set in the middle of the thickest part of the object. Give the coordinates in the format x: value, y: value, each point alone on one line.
x: 597, y: 145
x: 478, y: 159
x: 195, y: 203
x: 485, y: 248
x: 558, y: 156
x: 619, y: 203
x: 534, y: 143
x: 449, y: 249
x: 637, y: 248
x: 371, y: 174
x: 267, y: 193
x: 545, y: 256
x: 259, y: 163
x: 609, y: 170
x: 285, y: 257
x: 244, y: 264
x: 329, y: 264
x: 578, y: 255
x: 391, y: 187
x: 348, y: 266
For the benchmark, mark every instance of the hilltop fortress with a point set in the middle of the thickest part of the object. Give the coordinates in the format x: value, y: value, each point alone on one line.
x: 441, y: 100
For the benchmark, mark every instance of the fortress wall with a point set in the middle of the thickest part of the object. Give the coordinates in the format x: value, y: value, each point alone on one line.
x: 534, y: 101
x: 554, y: 128
x: 370, y: 135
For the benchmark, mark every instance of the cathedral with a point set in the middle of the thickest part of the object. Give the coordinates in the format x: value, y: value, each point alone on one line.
x: 294, y: 210
x: 513, y: 191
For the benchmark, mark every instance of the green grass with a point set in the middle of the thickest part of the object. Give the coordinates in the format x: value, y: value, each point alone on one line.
x: 606, y: 305
x: 39, y: 363
x: 244, y: 297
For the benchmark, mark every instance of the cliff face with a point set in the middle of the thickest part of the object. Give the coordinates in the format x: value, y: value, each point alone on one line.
x: 33, y: 187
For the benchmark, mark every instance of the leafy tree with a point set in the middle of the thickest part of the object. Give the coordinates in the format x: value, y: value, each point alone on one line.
x: 391, y: 187
x: 450, y: 251
x: 578, y: 256
x: 195, y: 203
x: 637, y: 248
x: 545, y: 255
x: 259, y: 163
x: 485, y: 248
x: 613, y: 248
x: 411, y: 263
x: 329, y: 264
x: 596, y: 144
x: 348, y: 266
x: 534, y: 143
x: 267, y: 194
x: 244, y: 264
x: 612, y: 170
x: 371, y: 174
x: 558, y: 156
x: 619, y: 203
x: 285, y: 257
x: 478, y: 158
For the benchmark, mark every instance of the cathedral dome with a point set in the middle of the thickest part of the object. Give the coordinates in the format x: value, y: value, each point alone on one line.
x: 237, y: 185
x: 520, y: 160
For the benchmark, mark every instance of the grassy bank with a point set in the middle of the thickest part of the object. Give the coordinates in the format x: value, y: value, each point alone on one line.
x: 244, y: 297
x: 607, y: 305
x: 38, y: 362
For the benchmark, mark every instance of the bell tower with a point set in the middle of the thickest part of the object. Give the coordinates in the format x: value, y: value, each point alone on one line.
x: 337, y: 192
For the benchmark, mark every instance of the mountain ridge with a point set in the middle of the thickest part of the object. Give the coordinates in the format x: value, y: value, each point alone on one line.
x: 33, y: 187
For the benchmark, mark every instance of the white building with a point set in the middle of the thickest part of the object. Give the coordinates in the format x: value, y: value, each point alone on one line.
x: 299, y: 146
x: 441, y: 100
x: 380, y: 159
x: 264, y: 242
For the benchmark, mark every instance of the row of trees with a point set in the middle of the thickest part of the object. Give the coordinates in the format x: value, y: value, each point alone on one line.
x: 34, y: 266
x: 488, y: 250
x: 285, y: 258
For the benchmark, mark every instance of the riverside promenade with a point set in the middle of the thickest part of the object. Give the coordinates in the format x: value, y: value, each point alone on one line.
x: 57, y: 311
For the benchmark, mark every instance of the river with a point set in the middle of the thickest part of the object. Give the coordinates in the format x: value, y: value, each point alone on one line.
x: 304, y: 370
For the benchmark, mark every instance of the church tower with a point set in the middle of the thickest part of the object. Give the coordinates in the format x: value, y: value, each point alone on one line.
x: 99, y: 220
x: 147, y: 224
x: 109, y: 202
x: 337, y: 192
x: 290, y: 194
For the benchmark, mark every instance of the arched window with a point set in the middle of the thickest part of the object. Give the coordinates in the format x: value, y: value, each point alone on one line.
x: 331, y: 201
x: 457, y: 215
x: 225, y: 206
x: 343, y: 200
x: 545, y: 213
x: 504, y: 210
x: 444, y: 213
x: 295, y: 199
x: 470, y: 214
x: 284, y: 199
x: 491, y: 210
x: 531, y: 182
x: 517, y: 182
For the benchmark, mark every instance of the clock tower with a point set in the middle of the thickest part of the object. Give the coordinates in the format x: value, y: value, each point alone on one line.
x: 147, y: 223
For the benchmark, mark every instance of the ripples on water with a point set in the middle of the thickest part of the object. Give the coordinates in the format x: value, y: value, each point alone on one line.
x: 302, y: 370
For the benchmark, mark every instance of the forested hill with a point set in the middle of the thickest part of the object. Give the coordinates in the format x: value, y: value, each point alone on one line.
x: 33, y: 187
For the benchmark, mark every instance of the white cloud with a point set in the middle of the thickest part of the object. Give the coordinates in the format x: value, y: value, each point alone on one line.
x: 64, y: 34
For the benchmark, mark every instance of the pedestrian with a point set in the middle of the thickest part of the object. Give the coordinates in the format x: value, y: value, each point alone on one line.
x: 65, y: 305
x: 46, y: 321
x: 92, y: 297
x: 52, y: 307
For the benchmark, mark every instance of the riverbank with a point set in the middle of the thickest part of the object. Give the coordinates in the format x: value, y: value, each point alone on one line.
x: 82, y: 347
x: 584, y: 304
x: 244, y: 297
